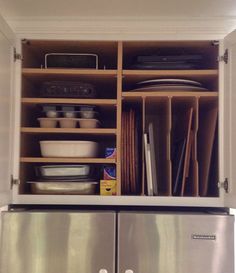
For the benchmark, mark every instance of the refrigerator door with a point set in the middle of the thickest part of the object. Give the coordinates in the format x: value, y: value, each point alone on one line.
x: 173, y: 243
x: 65, y: 242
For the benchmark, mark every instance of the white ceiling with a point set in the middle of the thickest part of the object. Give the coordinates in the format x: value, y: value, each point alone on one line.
x: 11, y: 9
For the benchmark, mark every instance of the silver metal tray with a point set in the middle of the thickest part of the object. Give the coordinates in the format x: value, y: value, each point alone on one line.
x: 81, y: 188
x: 63, y: 171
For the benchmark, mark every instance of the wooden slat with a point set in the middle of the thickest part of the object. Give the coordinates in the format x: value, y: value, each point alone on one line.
x: 127, y: 95
x: 100, y: 102
x: 67, y: 160
x: 37, y: 72
x: 167, y: 73
x: 169, y: 130
x: 144, y: 173
x: 118, y: 116
x: 92, y: 131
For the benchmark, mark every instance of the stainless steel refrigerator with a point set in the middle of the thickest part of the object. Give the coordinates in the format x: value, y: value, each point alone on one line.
x: 111, y: 242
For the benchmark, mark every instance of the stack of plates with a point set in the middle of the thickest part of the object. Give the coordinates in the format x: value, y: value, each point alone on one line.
x: 169, y: 85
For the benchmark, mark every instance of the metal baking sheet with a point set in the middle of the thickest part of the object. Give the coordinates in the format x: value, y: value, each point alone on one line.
x: 64, y: 170
x: 81, y: 188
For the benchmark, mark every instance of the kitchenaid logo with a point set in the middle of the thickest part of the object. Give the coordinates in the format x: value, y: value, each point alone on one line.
x: 203, y: 237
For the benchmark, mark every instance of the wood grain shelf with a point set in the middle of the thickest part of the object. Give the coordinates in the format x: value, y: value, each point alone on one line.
x: 127, y: 95
x: 174, y: 73
x: 39, y: 72
x: 89, y: 131
x: 67, y: 160
x: 98, y: 102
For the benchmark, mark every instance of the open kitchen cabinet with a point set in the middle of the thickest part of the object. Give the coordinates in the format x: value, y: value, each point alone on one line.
x: 203, y: 116
x: 6, y: 112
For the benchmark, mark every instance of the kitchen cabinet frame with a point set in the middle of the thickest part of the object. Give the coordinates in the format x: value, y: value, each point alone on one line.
x: 11, y: 196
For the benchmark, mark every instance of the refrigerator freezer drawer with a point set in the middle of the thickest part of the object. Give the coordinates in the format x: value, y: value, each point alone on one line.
x: 171, y: 243
x: 65, y: 242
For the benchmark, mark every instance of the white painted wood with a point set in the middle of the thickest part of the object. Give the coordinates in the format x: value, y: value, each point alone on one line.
x: 221, y: 121
x: 123, y: 28
x: 129, y: 8
x: 7, y: 31
x: 6, y: 110
x: 17, y: 119
x: 118, y: 200
x: 230, y: 120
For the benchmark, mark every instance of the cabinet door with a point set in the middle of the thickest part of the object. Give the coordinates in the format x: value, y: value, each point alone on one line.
x: 6, y: 99
x: 72, y: 242
x: 165, y: 243
x: 230, y: 119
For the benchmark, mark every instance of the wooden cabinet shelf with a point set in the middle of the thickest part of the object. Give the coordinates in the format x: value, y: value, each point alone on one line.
x: 172, y: 73
x: 67, y: 160
x: 127, y: 95
x: 44, y: 72
x: 88, y: 131
x: 98, y: 102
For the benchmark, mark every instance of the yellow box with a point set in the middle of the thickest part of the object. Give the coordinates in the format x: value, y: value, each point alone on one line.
x: 108, y: 187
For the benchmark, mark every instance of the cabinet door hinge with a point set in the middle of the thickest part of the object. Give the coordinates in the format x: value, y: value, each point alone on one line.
x: 14, y: 181
x: 224, y: 185
x: 224, y: 58
x: 17, y: 56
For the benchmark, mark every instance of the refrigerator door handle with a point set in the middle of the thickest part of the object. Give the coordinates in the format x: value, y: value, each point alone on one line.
x: 103, y: 270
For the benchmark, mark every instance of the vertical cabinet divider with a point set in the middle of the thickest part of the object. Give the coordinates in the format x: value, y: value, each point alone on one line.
x: 191, y: 187
x: 169, y: 126
x: 208, y: 146
x: 194, y: 152
x: 144, y: 170
x: 118, y: 115
x: 183, y: 135
x: 157, y: 127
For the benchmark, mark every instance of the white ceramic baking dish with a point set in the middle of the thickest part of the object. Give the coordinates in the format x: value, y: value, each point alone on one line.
x: 68, y: 148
